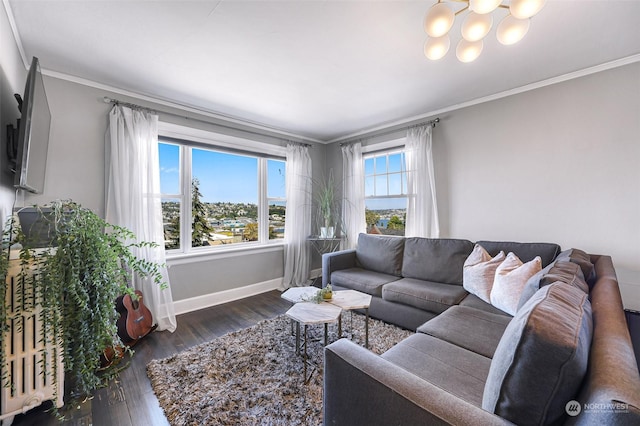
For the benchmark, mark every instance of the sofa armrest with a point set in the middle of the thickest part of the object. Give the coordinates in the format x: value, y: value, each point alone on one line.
x: 361, y: 387
x: 335, y: 261
x: 611, y: 391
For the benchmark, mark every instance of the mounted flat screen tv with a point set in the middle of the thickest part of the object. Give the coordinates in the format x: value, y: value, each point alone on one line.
x: 33, y: 135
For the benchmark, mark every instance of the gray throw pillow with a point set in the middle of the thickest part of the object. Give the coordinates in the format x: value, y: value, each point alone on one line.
x: 582, y: 259
x: 380, y: 253
x: 559, y: 270
x: 542, y: 357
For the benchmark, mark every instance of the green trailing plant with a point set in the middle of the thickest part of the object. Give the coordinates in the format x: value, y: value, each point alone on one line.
x: 90, y: 264
x: 4, y: 268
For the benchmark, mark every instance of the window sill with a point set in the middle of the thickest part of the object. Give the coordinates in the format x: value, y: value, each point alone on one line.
x: 215, y: 254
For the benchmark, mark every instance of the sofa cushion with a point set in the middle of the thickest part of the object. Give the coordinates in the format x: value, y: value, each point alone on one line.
x: 359, y: 279
x: 380, y: 253
x: 426, y: 295
x: 475, y: 302
x: 473, y: 329
x: 566, y: 272
x: 479, y: 272
x: 435, y: 259
x: 542, y: 357
x: 511, y: 277
x: 559, y: 270
x: 450, y: 367
x: 582, y: 259
x: 524, y: 251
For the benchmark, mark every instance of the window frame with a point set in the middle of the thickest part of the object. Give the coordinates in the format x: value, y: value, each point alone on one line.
x: 386, y: 148
x: 389, y: 147
x: 187, y: 139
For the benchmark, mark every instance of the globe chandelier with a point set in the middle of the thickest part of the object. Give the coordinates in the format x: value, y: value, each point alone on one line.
x: 476, y: 25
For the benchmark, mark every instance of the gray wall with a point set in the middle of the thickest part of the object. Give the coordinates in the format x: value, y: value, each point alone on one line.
x: 560, y: 163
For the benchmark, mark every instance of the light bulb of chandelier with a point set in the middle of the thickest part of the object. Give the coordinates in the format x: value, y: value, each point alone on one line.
x: 511, y: 30
x: 523, y: 9
x: 484, y: 6
x: 468, y: 51
x: 475, y: 27
x: 439, y: 20
x: 436, y: 47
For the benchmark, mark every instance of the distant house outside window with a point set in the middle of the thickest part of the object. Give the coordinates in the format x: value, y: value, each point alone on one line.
x: 216, y: 197
x: 385, y: 180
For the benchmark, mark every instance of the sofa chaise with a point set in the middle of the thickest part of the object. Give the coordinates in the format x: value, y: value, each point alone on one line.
x: 563, y: 357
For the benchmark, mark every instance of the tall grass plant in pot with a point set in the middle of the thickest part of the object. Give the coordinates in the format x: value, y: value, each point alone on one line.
x: 328, y: 215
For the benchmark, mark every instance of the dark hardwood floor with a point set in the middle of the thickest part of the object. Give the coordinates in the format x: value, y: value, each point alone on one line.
x: 129, y: 400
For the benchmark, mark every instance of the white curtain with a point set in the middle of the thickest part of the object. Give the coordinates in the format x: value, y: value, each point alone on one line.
x: 298, y: 218
x: 133, y: 198
x: 422, y: 208
x: 353, y: 215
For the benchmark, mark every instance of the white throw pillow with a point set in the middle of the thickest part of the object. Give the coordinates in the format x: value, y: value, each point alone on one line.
x: 510, y: 279
x: 479, y: 272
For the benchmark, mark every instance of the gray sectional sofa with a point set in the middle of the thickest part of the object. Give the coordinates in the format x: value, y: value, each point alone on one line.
x: 565, y: 357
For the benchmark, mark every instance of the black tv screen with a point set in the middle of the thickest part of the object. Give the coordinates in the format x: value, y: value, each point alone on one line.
x: 33, y: 136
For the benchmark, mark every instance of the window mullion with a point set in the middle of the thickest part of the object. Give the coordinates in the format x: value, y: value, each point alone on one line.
x: 263, y: 202
x: 185, y: 214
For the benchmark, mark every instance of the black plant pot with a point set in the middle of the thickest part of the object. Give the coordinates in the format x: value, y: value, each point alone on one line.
x: 37, y: 226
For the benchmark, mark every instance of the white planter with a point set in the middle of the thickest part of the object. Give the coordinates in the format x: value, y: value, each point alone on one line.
x: 327, y: 232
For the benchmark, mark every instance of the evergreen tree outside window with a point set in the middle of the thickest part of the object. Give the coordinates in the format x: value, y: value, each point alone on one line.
x: 200, y: 230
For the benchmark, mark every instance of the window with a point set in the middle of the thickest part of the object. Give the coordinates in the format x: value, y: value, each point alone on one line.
x: 385, y: 183
x: 215, y: 196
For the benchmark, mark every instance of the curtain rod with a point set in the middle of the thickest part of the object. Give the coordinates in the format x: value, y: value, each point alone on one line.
x: 108, y: 100
x: 432, y: 123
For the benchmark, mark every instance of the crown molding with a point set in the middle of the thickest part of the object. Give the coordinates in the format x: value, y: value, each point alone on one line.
x: 182, y: 107
x: 370, y: 132
x: 16, y: 34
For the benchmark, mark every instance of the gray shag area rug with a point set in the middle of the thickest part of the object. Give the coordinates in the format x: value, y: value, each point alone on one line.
x: 253, y: 376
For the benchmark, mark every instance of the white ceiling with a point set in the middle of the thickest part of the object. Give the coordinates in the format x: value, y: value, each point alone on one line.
x: 319, y: 69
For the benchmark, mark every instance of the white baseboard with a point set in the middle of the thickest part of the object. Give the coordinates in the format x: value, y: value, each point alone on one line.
x: 207, y: 300
x: 213, y: 299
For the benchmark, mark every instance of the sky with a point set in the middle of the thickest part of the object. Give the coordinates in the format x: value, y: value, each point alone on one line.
x: 223, y: 177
